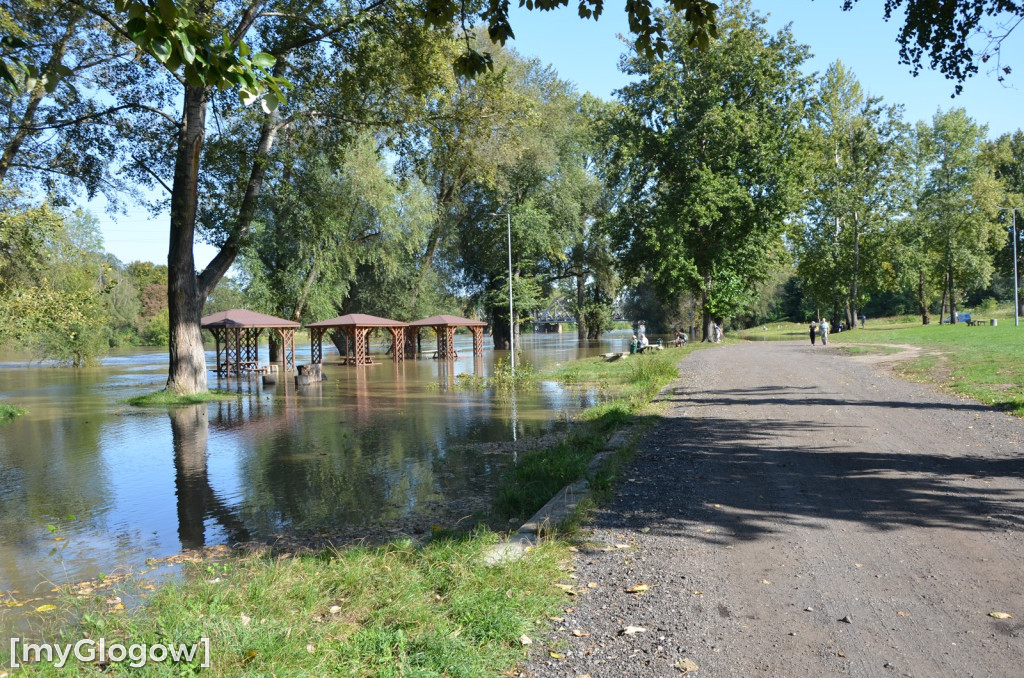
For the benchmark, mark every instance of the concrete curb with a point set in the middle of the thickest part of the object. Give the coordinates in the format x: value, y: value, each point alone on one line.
x: 557, y: 509
x: 562, y: 505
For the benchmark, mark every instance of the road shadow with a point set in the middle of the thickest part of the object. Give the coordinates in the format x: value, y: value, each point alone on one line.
x: 726, y: 481
x: 798, y: 395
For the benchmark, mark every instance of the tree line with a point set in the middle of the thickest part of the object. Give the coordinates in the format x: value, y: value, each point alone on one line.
x: 364, y: 156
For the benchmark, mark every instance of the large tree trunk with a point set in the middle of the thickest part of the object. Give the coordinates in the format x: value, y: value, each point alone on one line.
x: 187, y: 372
x: 187, y: 292
x: 952, y: 297
x: 709, y: 322
x: 581, y: 292
x: 922, y: 300
x: 851, y: 308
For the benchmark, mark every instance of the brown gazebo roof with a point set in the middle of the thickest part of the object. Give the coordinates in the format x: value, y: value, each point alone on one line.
x: 358, y: 320
x: 240, y: 317
x: 447, y: 320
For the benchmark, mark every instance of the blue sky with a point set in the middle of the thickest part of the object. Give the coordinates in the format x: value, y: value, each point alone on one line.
x: 587, y: 53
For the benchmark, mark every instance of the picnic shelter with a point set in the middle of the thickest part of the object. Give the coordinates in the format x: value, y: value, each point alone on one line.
x: 444, y: 327
x: 356, y: 328
x: 237, y: 332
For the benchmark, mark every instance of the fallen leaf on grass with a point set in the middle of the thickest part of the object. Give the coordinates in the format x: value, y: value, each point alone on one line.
x: 686, y: 665
x: 46, y: 608
x: 525, y: 640
x: 310, y: 648
x: 567, y: 588
x: 1000, y: 615
x: 638, y: 588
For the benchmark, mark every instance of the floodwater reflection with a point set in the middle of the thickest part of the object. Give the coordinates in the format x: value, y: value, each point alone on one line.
x: 89, y: 485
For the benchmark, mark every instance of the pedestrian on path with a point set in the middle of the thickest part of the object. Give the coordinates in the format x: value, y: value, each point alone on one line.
x: 813, y: 329
x: 823, y: 331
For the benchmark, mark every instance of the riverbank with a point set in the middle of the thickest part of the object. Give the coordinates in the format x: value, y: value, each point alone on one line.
x: 429, y: 604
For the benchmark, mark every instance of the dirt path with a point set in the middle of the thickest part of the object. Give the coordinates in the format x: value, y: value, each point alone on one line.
x: 802, y: 513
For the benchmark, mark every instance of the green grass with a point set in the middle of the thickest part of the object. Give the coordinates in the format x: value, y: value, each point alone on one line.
x: 165, y: 398
x: 627, y: 387
x: 395, y: 610
x: 985, y: 363
x: 8, y: 412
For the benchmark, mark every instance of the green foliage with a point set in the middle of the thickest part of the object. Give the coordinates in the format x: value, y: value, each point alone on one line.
x: 53, y: 303
x: 844, y: 245
x: 157, y: 331
x: 942, y: 34
x: 172, y: 34
x: 8, y: 412
x: 705, y: 198
x: 959, y: 205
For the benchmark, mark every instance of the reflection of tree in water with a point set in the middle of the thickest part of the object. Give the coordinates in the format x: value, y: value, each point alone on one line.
x: 190, y: 431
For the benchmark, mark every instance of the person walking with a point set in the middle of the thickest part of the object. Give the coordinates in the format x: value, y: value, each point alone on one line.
x: 813, y: 328
x: 823, y: 331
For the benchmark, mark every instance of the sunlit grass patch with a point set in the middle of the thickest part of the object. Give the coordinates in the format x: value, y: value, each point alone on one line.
x: 985, y: 363
x: 395, y: 610
x: 164, y: 398
x: 8, y: 412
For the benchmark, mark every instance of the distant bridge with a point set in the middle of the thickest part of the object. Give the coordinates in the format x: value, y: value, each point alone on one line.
x: 551, y: 318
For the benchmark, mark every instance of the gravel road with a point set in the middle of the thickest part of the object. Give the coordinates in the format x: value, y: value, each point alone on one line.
x: 802, y: 512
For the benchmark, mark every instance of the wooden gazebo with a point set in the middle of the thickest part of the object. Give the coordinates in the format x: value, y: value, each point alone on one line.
x: 444, y: 327
x: 357, y: 328
x: 237, y: 332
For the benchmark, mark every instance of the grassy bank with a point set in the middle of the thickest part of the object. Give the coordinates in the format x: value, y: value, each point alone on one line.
x: 396, y: 610
x: 433, y: 609
x: 625, y: 387
x: 165, y: 398
x: 985, y: 363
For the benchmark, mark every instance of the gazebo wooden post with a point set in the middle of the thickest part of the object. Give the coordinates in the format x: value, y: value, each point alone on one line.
x: 449, y: 343
x: 478, y: 340
x: 287, y: 335
x: 216, y: 342
x: 227, y: 352
x: 316, y: 349
x: 362, y: 335
x: 397, y: 343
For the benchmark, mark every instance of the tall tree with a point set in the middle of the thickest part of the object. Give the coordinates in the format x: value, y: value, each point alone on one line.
x: 1006, y: 157
x: 193, y: 49
x: 856, y: 155
x: 710, y: 159
x: 959, y: 205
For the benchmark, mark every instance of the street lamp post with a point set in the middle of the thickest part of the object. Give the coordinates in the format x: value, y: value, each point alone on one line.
x: 511, y: 326
x: 1016, y: 298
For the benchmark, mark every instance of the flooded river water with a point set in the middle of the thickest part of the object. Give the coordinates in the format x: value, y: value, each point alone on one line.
x: 91, y: 486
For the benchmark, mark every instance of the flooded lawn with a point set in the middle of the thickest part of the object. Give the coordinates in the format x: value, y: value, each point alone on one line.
x: 90, y: 486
